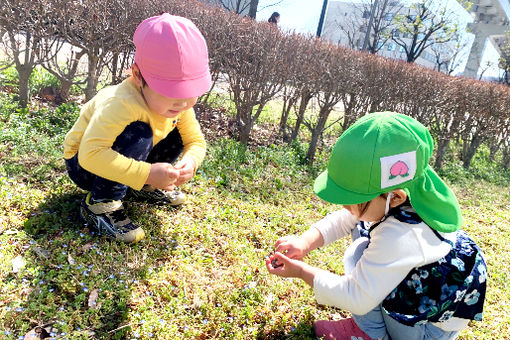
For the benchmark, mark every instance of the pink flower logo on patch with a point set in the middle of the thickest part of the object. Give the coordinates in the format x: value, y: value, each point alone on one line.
x: 399, y: 169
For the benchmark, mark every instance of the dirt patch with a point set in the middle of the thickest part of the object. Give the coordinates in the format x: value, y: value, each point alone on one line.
x: 216, y: 123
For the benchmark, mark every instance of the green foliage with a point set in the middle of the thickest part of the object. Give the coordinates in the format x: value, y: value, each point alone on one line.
x: 481, y: 168
x: 262, y: 172
x: 40, y: 78
x: 9, y: 77
x: 200, y: 271
x: 31, y: 141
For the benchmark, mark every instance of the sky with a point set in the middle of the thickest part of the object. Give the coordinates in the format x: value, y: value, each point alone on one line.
x: 299, y: 15
x: 303, y: 17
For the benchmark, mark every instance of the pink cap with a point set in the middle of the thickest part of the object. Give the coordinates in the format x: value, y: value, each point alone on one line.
x: 171, y: 54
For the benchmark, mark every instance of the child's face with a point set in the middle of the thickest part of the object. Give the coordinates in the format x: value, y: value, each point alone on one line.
x: 371, y: 211
x: 167, y: 107
x: 159, y: 104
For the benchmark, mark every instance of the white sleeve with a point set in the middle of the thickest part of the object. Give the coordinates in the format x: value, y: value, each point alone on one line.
x: 336, y: 225
x: 394, y: 249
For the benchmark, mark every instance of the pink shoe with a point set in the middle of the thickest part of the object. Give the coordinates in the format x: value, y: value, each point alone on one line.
x: 345, y: 329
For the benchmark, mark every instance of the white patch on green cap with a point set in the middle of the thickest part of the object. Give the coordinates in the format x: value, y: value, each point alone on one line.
x: 397, y: 169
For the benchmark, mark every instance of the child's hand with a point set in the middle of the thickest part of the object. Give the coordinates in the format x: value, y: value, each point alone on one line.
x: 294, y: 247
x: 281, y: 265
x: 186, y: 167
x: 284, y: 266
x: 162, y: 176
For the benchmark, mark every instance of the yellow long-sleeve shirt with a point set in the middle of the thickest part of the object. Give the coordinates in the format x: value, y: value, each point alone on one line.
x: 106, y: 116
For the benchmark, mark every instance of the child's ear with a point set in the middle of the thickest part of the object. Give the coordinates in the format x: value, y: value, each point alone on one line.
x: 398, y: 197
x: 137, y: 76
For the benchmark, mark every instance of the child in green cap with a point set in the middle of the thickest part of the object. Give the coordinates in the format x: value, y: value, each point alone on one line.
x: 410, y: 273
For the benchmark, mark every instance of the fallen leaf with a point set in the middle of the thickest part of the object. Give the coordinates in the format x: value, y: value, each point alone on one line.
x: 70, y: 259
x: 18, y: 263
x: 45, y: 254
x: 93, y: 299
x: 86, y: 247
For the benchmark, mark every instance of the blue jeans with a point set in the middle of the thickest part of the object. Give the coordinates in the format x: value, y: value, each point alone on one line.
x: 377, y: 323
x: 134, y: 142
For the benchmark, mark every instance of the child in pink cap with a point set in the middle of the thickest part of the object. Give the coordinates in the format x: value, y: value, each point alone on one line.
x: 128, y: 135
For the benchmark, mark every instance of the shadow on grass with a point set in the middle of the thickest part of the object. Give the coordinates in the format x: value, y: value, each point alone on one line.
x: 75, y: 283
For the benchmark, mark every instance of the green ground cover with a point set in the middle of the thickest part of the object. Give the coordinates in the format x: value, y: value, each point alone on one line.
x: 200, y: 271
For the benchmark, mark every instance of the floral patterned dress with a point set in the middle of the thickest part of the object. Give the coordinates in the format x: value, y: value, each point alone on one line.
x: 453, y: 286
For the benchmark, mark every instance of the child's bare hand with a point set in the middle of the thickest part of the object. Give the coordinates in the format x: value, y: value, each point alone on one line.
x: 284, y: 266
x: 186, y: 168
x: 294, y: 247
x: 162, y: 176
x: 281, y: 265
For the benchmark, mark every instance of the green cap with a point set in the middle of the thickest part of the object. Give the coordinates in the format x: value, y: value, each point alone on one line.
x: 384, y: 151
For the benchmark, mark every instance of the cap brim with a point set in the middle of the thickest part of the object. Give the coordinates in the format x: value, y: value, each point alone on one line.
x: 329, y: 191
x: 188, y: 88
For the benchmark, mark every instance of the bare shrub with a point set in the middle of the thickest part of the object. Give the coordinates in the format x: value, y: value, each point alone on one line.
x: 26, y: 25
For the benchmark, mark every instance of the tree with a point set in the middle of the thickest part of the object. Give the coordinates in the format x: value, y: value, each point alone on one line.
x: 504, y: 60
x: 369, y: 26
x: 244, y: 7
x: 26, y: 25
x: 102, y: 29
x: 449, y: 57
x: 62, y: 61
x: 255, y: 61
x: 426, y: 23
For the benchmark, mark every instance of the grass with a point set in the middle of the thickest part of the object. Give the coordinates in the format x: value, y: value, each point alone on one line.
x: 200, y: 271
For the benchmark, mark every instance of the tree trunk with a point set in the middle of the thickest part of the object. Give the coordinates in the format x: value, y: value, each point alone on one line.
x: 506, y: 158
x: 254, y: 4
x: 92, y: 79
x: 442, y: 146
x: 65, y: 88
x: 287, y: 105
x: 244, y: 133
x: 494, y: 148
x: 244, y: 124
x: 316, y: 133
x: 24, y: 73
x: 305, y: 99
x: 471, y: 150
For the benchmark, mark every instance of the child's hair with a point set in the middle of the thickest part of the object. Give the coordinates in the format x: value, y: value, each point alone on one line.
x: 171, y: 55
x: 363, y: 207
x: 384, y: 151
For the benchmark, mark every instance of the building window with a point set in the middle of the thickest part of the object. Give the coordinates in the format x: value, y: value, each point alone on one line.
x: 406, y: 35
x: 395, y: 32
x: 402, y: 49
x: 388, y: 16
x: 366, y: 14
x: 411, y: 18
x: 391, y: 47
x: 380, y: 45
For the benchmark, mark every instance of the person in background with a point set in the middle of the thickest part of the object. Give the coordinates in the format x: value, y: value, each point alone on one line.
x: 274, y: 18
x: 127, y: 137
x: 410, y: 273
